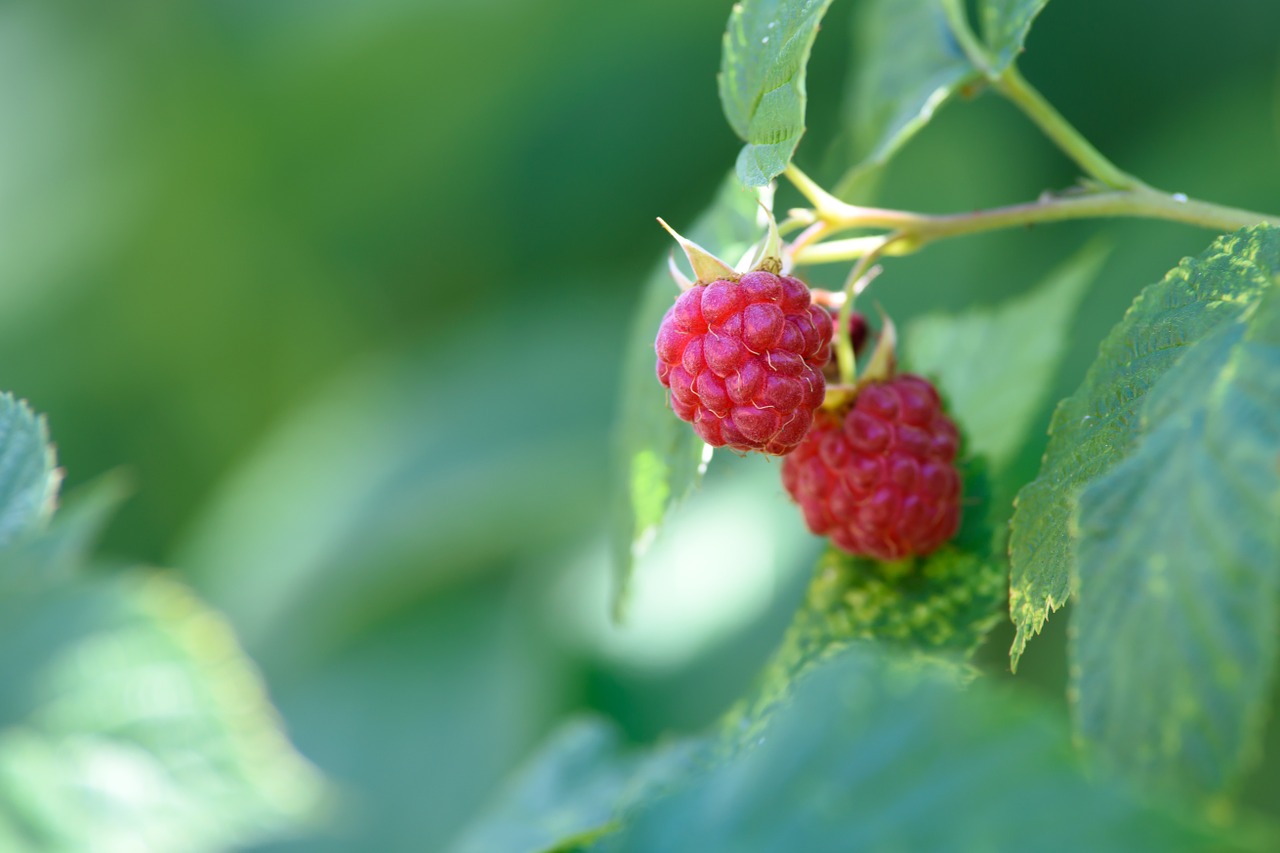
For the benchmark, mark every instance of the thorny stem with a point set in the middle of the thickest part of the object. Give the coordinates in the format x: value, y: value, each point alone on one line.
x: 911, y: 231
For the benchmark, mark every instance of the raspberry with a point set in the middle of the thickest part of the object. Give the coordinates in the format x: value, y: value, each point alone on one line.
x: 880, y: 480
x: 743, y: 360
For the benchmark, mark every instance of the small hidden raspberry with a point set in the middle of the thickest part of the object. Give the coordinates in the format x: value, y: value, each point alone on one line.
x: 743, y: 360
x: 880, y: 479
x: 858, y: 334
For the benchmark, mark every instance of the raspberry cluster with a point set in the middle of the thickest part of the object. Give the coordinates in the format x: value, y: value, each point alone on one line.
x: 880, y: 480
x: 743, y: 361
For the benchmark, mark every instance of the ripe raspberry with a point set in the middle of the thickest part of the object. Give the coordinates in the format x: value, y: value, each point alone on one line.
x: 744, y: 360
x: 880, y: 480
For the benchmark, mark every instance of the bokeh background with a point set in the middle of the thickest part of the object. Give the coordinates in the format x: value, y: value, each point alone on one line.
x: 345, y: 286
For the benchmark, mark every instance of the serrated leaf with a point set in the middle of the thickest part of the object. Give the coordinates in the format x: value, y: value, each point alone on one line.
x: 1174, y: 641
x: 58, y: 553
x: 905, y: 65
x: 29, y: 476
x: 130, y: 719
x: 574, y: 789
x: 994, y: 364
x: 879, y: 754
x: 1005, y: 25
x: 762, y: 70
x: 659, y: 457
x: 1094, y: 428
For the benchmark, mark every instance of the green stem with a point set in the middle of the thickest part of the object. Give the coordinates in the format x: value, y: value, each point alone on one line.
x: 846, y: 360
x: 1015, y: 87
x: 916, y: 230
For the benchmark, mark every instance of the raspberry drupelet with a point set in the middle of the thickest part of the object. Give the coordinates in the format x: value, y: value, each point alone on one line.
x: 880, y: 479
x: 743, y: 361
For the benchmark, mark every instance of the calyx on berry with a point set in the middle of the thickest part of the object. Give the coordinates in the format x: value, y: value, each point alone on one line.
x: 742, y: 352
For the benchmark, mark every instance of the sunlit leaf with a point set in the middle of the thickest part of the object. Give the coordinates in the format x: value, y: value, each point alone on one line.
x: 1174, y: 639
x: 1095, y: 428
x: 762, y: 71
x: 942, y: 604
x: 130, y: 719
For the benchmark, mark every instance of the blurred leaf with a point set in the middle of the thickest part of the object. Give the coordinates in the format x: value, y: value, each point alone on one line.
x: 419, y: 719
x: 877, y: 754
x: 942, y: 604
x: 994, y: 364
x: 28, y: 474
x: 408, y: 472
x: 130, y: 718
x: 1005, y: 24
x: 1174, y: 639
x: 574, y: 789
x: 58, y: 553
x: 905, y: 66
x: 660, y: 458
x: 1094, y: 428
x: 762, y: 68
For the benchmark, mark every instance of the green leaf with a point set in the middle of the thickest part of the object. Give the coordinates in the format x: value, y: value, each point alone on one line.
x: 762, y: 68
x: 1005, y: 24
x: 1174, y: 639
x: 574, y: 789
x: 659, y: 457
x: 1094, y: 428
x: 29, y: 477
x: 60, y: 553
x: 131, y: 719
x: 905, y: 65
x: 879, y: 754
x: 994, y: 364
x: 943, y: 604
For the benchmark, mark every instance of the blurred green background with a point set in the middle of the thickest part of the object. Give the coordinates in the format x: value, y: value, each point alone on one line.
x: 346, y: 285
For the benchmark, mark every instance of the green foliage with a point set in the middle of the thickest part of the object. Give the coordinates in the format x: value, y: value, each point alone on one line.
x: 1005, y: 24
x: 131, y: 717
x: 905, y: 64
x: 1174, y: 639
x: 762, y: 70
x: 575, y: 789
x: 942, y: 604
x: 1096, y: 428
x: 28, y: 474
x: 994, y: 364
x: 58, y: 553
x: 877, y: 753
x: 659, y: 457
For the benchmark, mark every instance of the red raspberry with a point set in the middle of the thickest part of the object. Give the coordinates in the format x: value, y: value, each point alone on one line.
x: 880, y: 480
x: 744, y: 360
